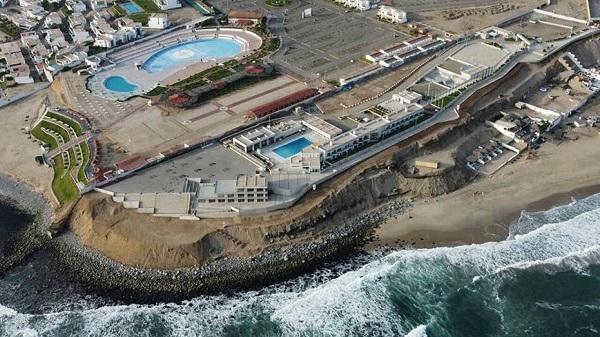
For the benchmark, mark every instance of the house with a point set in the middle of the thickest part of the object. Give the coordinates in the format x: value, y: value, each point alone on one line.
x: 53, y: 20
x: 167, y: 4
x: 76, y: 6
x: 18, y: 70
x: 392, y: 14
x: 38, y: 51
x: 98, y: 4
x: 80, y: 35
x: 35, y: 12
x: 56, y: 39
x: 245, y: 18
x: 158, y: 21
x: 77, y: 20
x: 108, y: 37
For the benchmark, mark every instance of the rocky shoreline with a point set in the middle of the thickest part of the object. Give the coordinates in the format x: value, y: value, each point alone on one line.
x: 224, y: 275
x: 34, y: 236
x: 112, y: 279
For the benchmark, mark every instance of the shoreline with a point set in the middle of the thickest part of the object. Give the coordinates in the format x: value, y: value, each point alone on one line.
x: 473, y: 234
x: 484, y: 209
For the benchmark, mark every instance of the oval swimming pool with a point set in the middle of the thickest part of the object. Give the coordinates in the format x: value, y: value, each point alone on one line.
x: 197, y: 50
x: 119, y: 84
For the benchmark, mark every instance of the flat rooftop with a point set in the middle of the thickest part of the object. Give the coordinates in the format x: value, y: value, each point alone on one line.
x: 214, y: 163
x: 480, y: 53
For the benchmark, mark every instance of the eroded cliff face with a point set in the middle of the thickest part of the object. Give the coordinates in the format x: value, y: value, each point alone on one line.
x: 164, y: 243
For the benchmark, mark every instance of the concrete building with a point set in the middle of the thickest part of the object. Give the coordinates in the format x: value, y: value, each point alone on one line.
x: 244, y: 189
x: 98, y: 4
x: 399, y: 116
x: 245, y: 18
x: 37, y: 50
x: 53, y: 20
x: 56, y: 39
x: 108, y: 37
x: 158, y: 21
x: 76, y: 6
x: 392, y: 14
x: 168, y: 4
x: 18, y: 70
x: 265, y: 135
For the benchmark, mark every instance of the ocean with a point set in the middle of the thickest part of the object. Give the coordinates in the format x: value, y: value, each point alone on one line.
x: 543, y: 280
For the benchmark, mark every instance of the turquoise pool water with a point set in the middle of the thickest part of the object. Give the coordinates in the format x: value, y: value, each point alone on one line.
x: 131, y: 7
x: 119, y: 84
x: 292, y: 148
x: 193, y: 51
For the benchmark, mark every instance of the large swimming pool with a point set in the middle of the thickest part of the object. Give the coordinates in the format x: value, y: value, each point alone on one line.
x: 292, y: 148
x: 119, y: 84
x: 193, y: 51
x: 131, y: 7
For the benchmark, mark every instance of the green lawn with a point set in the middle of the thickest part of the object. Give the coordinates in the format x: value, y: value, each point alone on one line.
x: 85, y: 154
x: 142, y: 18
x: 71, y: 122
x: 278, y: 3
x: 157, y: 91
x: 62, y: 184
x: 148, y: 5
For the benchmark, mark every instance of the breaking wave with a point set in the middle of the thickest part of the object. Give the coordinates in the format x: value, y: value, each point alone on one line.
x: 542, y: 280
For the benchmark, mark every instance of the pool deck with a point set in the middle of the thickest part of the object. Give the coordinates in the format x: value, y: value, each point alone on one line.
x: 127, y: 60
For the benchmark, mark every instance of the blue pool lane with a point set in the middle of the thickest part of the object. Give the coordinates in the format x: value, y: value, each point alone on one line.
x: 292, y: 148
x: 119, y: 84
x: 193, y: 51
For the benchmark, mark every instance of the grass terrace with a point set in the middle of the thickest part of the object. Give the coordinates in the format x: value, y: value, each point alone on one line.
x: 69, y: 166
x: 9, y: 28
x: 159, y: 90
x: 204, y: 77
x: 142, y: 18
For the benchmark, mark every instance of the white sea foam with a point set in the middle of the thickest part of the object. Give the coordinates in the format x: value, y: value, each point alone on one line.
x: 359, y: 302
x: 5, y: 311
x: 419, y: 331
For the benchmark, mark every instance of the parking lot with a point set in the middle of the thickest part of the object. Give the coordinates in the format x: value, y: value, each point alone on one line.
x: 327, y: 45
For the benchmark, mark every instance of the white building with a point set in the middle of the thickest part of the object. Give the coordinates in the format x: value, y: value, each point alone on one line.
x: 400, y: 116
x: 56, y: 39
x: 168, y: 4
x: 265, y: 135
x: 53, y: 20
x: 158, y: 21
x: 98, y: 4
x: 76, y: 6
x: 35, y: 12
x: 392, y: 14
x: 244, y: 189
x: 108, y: 37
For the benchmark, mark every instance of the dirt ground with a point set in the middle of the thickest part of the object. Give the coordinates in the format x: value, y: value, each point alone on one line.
x: 458, y: 21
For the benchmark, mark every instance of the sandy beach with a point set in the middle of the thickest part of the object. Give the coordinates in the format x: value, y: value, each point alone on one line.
x: 483, y: 210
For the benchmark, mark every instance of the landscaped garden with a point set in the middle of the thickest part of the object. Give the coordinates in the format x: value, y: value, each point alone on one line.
x: 70, y: 166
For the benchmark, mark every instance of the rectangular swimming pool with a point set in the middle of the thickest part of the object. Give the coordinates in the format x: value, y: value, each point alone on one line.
x: 290, y: 149
x: 131, y: 7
